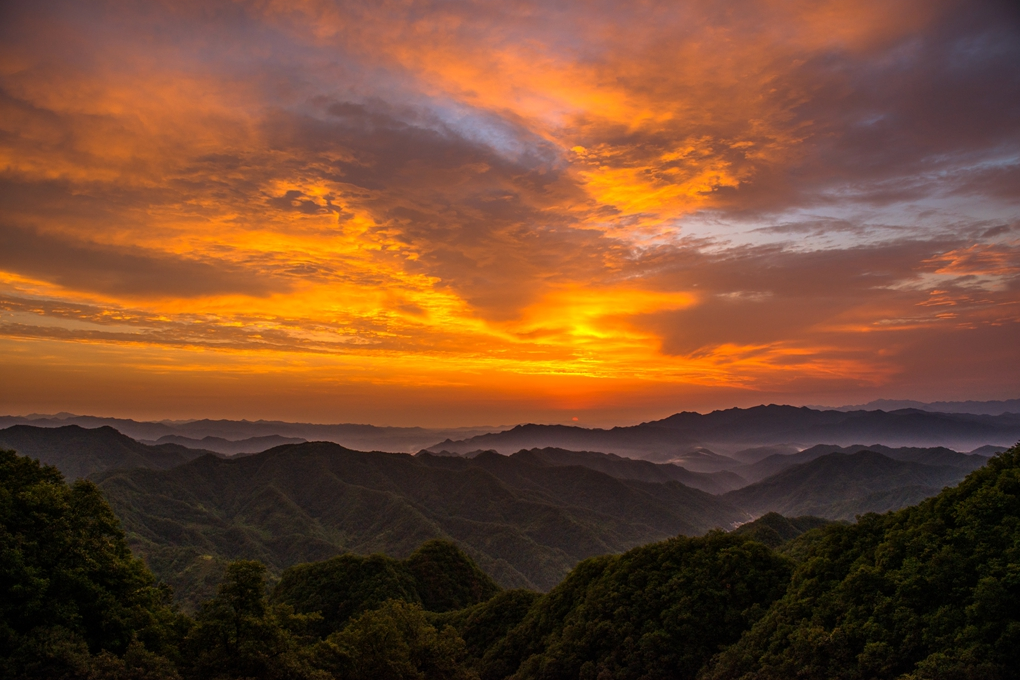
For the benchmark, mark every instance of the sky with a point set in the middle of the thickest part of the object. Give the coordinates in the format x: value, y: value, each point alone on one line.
x: 459, y: 213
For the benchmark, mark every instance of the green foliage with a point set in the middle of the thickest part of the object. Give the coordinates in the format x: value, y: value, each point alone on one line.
x: 774, y: 530
x: 437, y: 576
x: 486, y: 623
x: 927, y: 593
x: 659, y: 611
x: 931, y: 591
x: 394, y: 642
x: 69, y: 587
x: 238, y: 634
x: 447, y: 579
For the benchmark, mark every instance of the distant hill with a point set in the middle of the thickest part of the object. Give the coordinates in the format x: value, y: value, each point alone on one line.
x: 227, y: 446
x: 987, y: 450
x: 930, y: 456
x: 681, y: 437
x: 989, y: 408
x: 841, y: 486
x: 78, y: 452
x: 362, y: 437
x: 658, y: 611
x: 526, y: 524
x: 756, y: 453
x: 651, y: 443
x: 629, y: 468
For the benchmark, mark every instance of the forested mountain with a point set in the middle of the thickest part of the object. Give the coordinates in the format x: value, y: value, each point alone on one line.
x: 527, y: 518
x: 927, y: 592
x: 736, y: 429
x: 525, y: 524
x: 79, y: 452
x: 841, y: 486
x: 658, y: 611
x: 930, y: 591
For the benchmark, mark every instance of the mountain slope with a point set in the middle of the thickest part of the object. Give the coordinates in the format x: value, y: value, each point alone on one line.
x: 78, y: 452
x: 658, y: 611
x: 525, y: 525
x: 991, y: 408
x: 927, y: 592
x: 839, y: 486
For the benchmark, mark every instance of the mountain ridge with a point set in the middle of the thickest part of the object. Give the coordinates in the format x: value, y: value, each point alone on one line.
x: 843, y: 485
x: 80, y: 452
x: 732, y: 430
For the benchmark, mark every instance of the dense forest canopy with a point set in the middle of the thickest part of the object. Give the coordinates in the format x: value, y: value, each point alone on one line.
x: 931, y: 591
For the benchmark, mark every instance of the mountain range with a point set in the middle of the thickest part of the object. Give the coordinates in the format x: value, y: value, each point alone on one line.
x: 525, y: 524
x: 927, y: 592
x: 192, y: 432
x: 526, y: 518
x: 704, y: 442
x: 699, y: 442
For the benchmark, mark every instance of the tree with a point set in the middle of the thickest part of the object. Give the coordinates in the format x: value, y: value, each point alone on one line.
x: 70, y: 589
x: 394, y: 642
x: 238, y: 634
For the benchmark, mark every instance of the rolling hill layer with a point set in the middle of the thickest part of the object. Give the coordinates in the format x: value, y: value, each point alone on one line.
x: 525, y: 524
x: 928, y: 592
x: 841, y: 486
x: 679, y: 436
x: 526, y: 518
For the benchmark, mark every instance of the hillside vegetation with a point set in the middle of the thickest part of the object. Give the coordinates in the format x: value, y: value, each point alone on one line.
x: 437, y: 576
x: 526, y: 518
x: 526, y: 524
x: 931, y: 591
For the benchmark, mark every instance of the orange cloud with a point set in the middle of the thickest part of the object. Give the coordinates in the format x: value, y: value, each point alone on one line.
x: 647, y: 201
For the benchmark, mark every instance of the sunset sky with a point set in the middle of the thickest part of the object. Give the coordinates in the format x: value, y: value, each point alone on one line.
x: 458, y: 213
